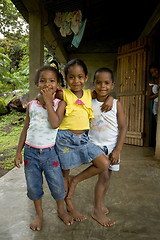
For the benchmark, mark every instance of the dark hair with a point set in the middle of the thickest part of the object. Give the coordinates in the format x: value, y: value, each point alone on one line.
x: 104, y: 69
x: 153, y: 65
x: 48, y: 67
x: 74, y: 62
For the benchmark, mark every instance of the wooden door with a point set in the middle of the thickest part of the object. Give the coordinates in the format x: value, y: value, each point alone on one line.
x: 131, y: 75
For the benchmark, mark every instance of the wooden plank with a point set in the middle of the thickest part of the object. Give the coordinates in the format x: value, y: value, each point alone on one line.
x: 130, y: 93
x: 131, y: 88
x: 134, y: 46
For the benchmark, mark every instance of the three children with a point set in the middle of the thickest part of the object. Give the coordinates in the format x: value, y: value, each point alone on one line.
x: 73, y: 146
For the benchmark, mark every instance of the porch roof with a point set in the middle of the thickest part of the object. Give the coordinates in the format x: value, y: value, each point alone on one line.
x: 109, y: 23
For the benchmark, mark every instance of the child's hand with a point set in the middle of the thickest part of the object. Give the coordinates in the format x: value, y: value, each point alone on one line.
x: 18, y: 159
x: 48, y: 95
x: 107, y: 105
x: 114, y: 157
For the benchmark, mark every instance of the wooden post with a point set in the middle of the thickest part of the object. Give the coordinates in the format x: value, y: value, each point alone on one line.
x: 36, y: 49
x: 157, y: 150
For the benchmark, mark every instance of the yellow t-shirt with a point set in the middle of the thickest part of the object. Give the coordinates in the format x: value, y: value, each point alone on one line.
x: 77, y: 115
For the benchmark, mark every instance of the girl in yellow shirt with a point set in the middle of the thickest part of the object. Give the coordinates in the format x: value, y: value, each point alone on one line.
x: 72, y: 143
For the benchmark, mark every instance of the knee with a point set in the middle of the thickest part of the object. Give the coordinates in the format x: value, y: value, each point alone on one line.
x: 106, y: 164
x: 101, y: 162
x: 104, y: 176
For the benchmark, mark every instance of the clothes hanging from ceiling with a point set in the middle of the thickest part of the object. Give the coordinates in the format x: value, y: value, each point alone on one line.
x: 68, y: 22
x: 77, y: 38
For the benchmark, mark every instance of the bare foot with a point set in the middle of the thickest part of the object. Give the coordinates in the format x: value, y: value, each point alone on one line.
x: 77, y: 216
x: 36, y: 223
x: 102, y: 219
x: 66, y: 218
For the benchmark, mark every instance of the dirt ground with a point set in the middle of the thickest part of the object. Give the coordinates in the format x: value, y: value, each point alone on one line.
x: 3, y: 172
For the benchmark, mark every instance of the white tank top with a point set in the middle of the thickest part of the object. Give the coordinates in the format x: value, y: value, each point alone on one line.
x: 154, y: 90
x: 40, y: 134
x: 104, y: 127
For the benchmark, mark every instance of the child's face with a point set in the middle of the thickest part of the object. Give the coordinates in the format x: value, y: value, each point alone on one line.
x: 48, y: 79
x: 103, y: 84
x: 76, y: 78
x: 154, y: 72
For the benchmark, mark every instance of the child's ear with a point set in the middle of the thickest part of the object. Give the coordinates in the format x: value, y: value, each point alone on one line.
x: 113, y: 84
x: 86, y: 78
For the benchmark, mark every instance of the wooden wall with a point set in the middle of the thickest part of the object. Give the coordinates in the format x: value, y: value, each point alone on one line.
x: 131, y: 74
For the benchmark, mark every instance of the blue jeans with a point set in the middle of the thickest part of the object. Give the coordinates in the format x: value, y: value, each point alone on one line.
x: 44, y: 160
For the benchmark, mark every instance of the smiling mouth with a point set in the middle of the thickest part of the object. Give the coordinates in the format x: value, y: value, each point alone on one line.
x: 103, y: 90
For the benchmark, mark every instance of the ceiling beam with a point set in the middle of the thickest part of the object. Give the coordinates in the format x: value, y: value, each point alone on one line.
x: 154, y: 19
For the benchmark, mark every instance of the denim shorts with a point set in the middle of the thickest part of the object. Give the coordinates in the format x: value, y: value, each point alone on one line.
x: 74, y: 150
x: 37, y: 161
x: 107, y: 150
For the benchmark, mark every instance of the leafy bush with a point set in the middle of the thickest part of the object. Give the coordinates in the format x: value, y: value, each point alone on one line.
x: 10, y: 128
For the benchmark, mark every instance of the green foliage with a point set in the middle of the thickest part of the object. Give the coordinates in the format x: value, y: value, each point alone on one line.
x: 11, y: 21
x: 14, y: 50
x: 8, y: 163
x: 20, y: 77
x: 3, y: 108
x: 10, y: 128
x: 9, y: 119
x: 4, y: 64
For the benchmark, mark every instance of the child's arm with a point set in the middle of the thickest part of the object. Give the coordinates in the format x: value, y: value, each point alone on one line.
x: 59, y: 94
x: 122, y: 126
x: 55, y: 118
x: 18, y: 157
x: 108, y: 104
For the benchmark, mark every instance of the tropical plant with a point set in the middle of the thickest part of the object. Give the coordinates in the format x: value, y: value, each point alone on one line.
x: 14, y: 59
x: 12, y: 24
x: 4, y: 68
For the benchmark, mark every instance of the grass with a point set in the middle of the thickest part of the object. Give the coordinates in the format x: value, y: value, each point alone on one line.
x: 10, y: 128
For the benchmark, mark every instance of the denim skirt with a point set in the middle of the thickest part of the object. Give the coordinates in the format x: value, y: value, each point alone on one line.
x: 74, y: 150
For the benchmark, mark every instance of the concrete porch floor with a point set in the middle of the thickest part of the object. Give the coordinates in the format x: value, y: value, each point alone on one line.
x: 133, y: 200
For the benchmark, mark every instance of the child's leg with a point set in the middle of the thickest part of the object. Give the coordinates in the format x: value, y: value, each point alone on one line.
x: 100, y: 164
x: 62, y: 214
x: 37, y: 222
x: 34, y: 182
x: 100, y: 191
x: 77, y: 216
x: 66, y: 179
